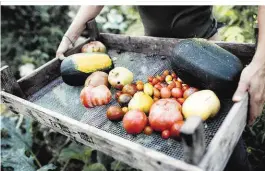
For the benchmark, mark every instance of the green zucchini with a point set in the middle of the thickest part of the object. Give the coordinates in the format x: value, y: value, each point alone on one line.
x: 77, y: 67
x: 205, y: 65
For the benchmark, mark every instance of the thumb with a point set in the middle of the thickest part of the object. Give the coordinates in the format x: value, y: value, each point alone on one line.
x: 241, y: 90
x: 60, y: 55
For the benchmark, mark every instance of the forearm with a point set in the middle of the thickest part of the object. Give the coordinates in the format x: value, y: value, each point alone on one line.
x: 85, y: 13
x: 260, y: 52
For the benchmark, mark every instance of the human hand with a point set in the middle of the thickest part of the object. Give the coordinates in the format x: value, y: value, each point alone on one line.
x: 252, y: 80
x: 63, y: 47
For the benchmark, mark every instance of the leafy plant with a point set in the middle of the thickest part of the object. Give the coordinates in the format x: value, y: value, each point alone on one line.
x: 31, y: 34
x: 255, y: 141
x: 239, y: 22
x: 116, y: 19
x: 16, y: 144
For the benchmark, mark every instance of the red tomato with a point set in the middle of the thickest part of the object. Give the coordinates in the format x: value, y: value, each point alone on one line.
x: 162, y: 78
x: 95, y: 96
x: 148, y: 130
x: 134, y: 121
x: 165, y: 134
x: 174, y: 75
x: 171, y: 85
x: 155, y: 81
x: 158, y: 86
x: 176, y: 92
x: 150, y: 79
x: 189, y: 92
x: 181, y: 100
x: 185, y: 87
x: 165, y: 92
x: 175, y: 129
x: 178, y: 84
x: 164, y: 113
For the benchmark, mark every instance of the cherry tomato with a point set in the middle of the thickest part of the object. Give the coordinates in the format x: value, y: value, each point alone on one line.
x: 165, y: 93
x: 162, y: 78
x: 150, y: 79
x: 148, y: 130
x: 156, y: 93
x: 117, y: 95
x: 134, y: 121
x: 140, y: 87
x: 155, y: 81
x: 165, y: 73
x: 175, y: 129
x: 185, y: 87
x: 177, y: 92
x: 171, y: 85
x: 168, y: 78
x: 139, y: 82
x: 174, y: 76
x: 181, y: 100
x: 165, y: 134
x: 159, y: 78
x: 178, y: 84
x: 189, y: 92
x: 158, y: 86
x: 155, y: 99
x: 179, y: 80
x: 163, y: 85
x: 125, y: 110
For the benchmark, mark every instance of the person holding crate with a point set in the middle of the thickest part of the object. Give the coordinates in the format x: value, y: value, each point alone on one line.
x: 191, y: 22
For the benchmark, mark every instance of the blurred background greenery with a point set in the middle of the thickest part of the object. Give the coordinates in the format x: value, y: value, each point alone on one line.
x: 30, y: 36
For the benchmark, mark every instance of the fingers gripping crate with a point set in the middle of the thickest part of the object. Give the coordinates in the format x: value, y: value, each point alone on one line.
x: 43, y: 96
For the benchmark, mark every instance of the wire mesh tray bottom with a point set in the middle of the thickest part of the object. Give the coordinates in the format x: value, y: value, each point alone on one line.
x: 64, y: 99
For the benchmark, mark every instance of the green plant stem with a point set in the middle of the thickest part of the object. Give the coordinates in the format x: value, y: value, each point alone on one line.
x: 117, y: 165
x: 35, y: 158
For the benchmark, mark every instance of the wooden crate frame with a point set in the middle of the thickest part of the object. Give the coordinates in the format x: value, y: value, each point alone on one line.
x: 15, y: 92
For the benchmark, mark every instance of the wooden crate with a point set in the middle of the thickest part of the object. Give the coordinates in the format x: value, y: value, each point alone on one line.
x: 197, y: 156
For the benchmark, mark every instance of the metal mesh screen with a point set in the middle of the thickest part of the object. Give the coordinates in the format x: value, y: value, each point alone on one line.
x: 64, y: 99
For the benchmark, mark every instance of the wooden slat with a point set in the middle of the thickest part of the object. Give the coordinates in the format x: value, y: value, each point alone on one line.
x: 193, y: 138
x: 164, y: 46
x: 226, y: 138
x: 121, y: 149
x: 9, y: 83
x: 40, y: 77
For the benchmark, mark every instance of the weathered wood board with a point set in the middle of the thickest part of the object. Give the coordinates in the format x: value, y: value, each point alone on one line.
x: 121, y: 149
x: 222, y: 145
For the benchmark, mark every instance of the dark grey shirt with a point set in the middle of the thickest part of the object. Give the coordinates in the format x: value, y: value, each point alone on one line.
x: 178, y: 21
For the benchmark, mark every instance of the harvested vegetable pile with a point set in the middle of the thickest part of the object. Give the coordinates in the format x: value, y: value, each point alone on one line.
x: 159, y: 105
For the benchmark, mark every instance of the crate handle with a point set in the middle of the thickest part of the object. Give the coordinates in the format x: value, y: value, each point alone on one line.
x: 192, y: 134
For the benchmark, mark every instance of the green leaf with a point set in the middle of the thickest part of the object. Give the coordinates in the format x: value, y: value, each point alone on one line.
x: 120, y: 166
x: 75, y: 151
x: 16, y: 159
x: 18, y: 138
x: 95, y: 167
x: 16, y: 144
